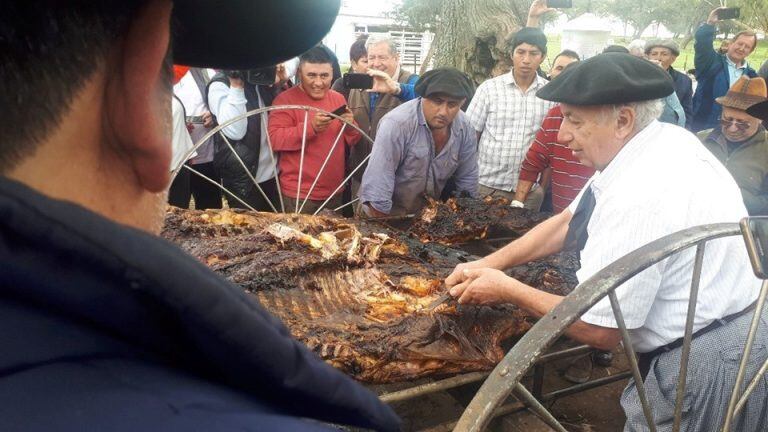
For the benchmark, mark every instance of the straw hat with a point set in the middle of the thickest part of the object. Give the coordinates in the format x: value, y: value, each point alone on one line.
x: 744, y: 93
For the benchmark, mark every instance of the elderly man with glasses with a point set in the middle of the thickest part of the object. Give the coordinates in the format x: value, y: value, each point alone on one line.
x: 741, y: 142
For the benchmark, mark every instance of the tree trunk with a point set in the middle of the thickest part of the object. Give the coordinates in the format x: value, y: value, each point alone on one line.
x: 428, y: 58
x: 472, y: 36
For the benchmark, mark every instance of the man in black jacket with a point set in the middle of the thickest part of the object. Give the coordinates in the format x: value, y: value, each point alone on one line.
x: 103, y: 325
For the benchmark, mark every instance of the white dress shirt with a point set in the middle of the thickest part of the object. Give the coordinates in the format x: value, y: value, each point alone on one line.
x: 508, y: 118
x: 181, y: 142
x: 189, y: 94
x: 227, y: 103
x: 663, y: 181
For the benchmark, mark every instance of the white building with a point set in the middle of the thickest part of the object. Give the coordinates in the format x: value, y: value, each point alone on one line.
x: 356, y: 18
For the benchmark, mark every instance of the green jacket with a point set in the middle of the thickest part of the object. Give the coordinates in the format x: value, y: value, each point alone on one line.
x: 748, y: 164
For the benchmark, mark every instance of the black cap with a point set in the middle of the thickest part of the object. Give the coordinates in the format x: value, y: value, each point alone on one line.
x: 245, y: 34
x: 447, y: 80
x: 532, y: 36
x: 759, y: 110
x: 607, y: 79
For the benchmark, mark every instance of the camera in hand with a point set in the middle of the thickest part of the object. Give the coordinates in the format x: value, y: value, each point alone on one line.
x: 260, y: 76
x: 729, y: 13
x: 357, y: 81
x: 560, y: 4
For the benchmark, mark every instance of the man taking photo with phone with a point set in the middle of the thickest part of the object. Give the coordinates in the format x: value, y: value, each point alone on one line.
x: 716, y: 73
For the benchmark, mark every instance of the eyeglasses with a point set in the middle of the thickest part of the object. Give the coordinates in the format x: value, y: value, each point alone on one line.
x: 740, y: 125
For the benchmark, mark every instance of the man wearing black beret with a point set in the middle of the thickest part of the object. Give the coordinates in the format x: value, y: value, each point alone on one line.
x: 652, y: 179
x: 421, y: 146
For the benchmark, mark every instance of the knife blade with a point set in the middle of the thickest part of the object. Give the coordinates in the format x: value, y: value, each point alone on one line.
x: 443, y: 298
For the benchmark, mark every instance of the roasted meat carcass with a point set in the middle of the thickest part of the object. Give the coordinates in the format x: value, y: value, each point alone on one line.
x: 357, y: 293
x: 461, y: 219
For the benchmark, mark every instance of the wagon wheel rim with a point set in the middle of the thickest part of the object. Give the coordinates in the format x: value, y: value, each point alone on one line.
x: 300, y: 203
x: 507, y: 375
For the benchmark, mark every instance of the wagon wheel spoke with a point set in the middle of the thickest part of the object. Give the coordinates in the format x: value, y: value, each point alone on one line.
x: 322, y: 168
x: 247, y: 172
x: 219, y: 185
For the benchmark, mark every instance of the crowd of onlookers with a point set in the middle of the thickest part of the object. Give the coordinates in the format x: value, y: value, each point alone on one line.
x: 415, y: 144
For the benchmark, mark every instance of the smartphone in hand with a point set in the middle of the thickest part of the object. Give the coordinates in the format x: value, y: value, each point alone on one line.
x: 357, y: 81
x: 560, y: 4
x: 340, y: 110
x: 729, y: 13
x: 195, y: 119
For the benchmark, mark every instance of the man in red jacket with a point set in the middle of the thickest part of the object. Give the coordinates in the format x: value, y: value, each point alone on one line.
x: 304, y: 148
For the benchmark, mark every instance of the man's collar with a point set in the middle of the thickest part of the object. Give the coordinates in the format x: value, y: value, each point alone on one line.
x: 625, y: 156
x: 509, y: 78
x: 732, y: 63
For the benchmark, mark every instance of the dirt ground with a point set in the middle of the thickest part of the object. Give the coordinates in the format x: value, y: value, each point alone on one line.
x: 595, y: 410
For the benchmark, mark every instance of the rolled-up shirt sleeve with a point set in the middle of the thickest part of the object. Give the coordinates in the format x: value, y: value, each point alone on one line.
x: 227, y: 103
x: 378, y: 183
x: 466, y: 175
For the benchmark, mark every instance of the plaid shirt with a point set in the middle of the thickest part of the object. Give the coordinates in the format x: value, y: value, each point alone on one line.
x: 508, y: 119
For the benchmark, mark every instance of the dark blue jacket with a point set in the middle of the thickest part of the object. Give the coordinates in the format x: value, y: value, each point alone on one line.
x: 684, y: 90
x: 106, y: 328
x: 712, y: 80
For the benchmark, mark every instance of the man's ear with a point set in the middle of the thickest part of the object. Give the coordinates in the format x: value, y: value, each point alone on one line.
x: 137, y: 99
x: 625, y: 122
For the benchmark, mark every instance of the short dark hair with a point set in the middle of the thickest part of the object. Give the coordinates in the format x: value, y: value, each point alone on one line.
x: 316, y: 55
x: 50, y: 50
x: 357, y: 50
x: 532, y: 36
x: 567, y: 53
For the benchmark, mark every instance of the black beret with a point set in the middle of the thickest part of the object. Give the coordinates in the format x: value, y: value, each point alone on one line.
x: 607, y: 79
x: 221, y: 34
x: 759, y: 110
x: 532, y: 36
x: 447, y: 80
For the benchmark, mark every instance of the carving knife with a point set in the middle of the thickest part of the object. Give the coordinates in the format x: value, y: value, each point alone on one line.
x: 443, y: 298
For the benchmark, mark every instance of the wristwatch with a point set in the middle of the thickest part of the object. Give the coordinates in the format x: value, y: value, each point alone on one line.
x: 399, y: 90
x: 516, y: 204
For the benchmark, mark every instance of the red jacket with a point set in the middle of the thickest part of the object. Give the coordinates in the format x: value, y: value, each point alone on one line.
x: 286, y: 129
x: 568, y: 175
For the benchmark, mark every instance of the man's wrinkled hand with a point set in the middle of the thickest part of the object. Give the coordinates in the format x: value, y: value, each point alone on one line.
x: 538, y: 8
x: 383, y: 83
x: 320, y: 122
x: 713, y: 17
x: 484, y: 286
x: 207, y: 119
x: 458, y: 276
x: 237, y: 83
x: 348, y: 116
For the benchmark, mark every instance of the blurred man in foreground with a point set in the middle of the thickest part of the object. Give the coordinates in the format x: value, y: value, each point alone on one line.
x: 104, y: 325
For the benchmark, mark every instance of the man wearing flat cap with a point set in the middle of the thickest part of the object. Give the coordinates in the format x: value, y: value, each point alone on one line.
x: 666, y: 52
x: 506, y: 113
x: 421, y: 146
x: 652, y: 179
x: 105, y: 326
x: 741, y: 142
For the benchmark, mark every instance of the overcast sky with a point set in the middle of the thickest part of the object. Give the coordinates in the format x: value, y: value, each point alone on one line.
x: 369, y: 7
